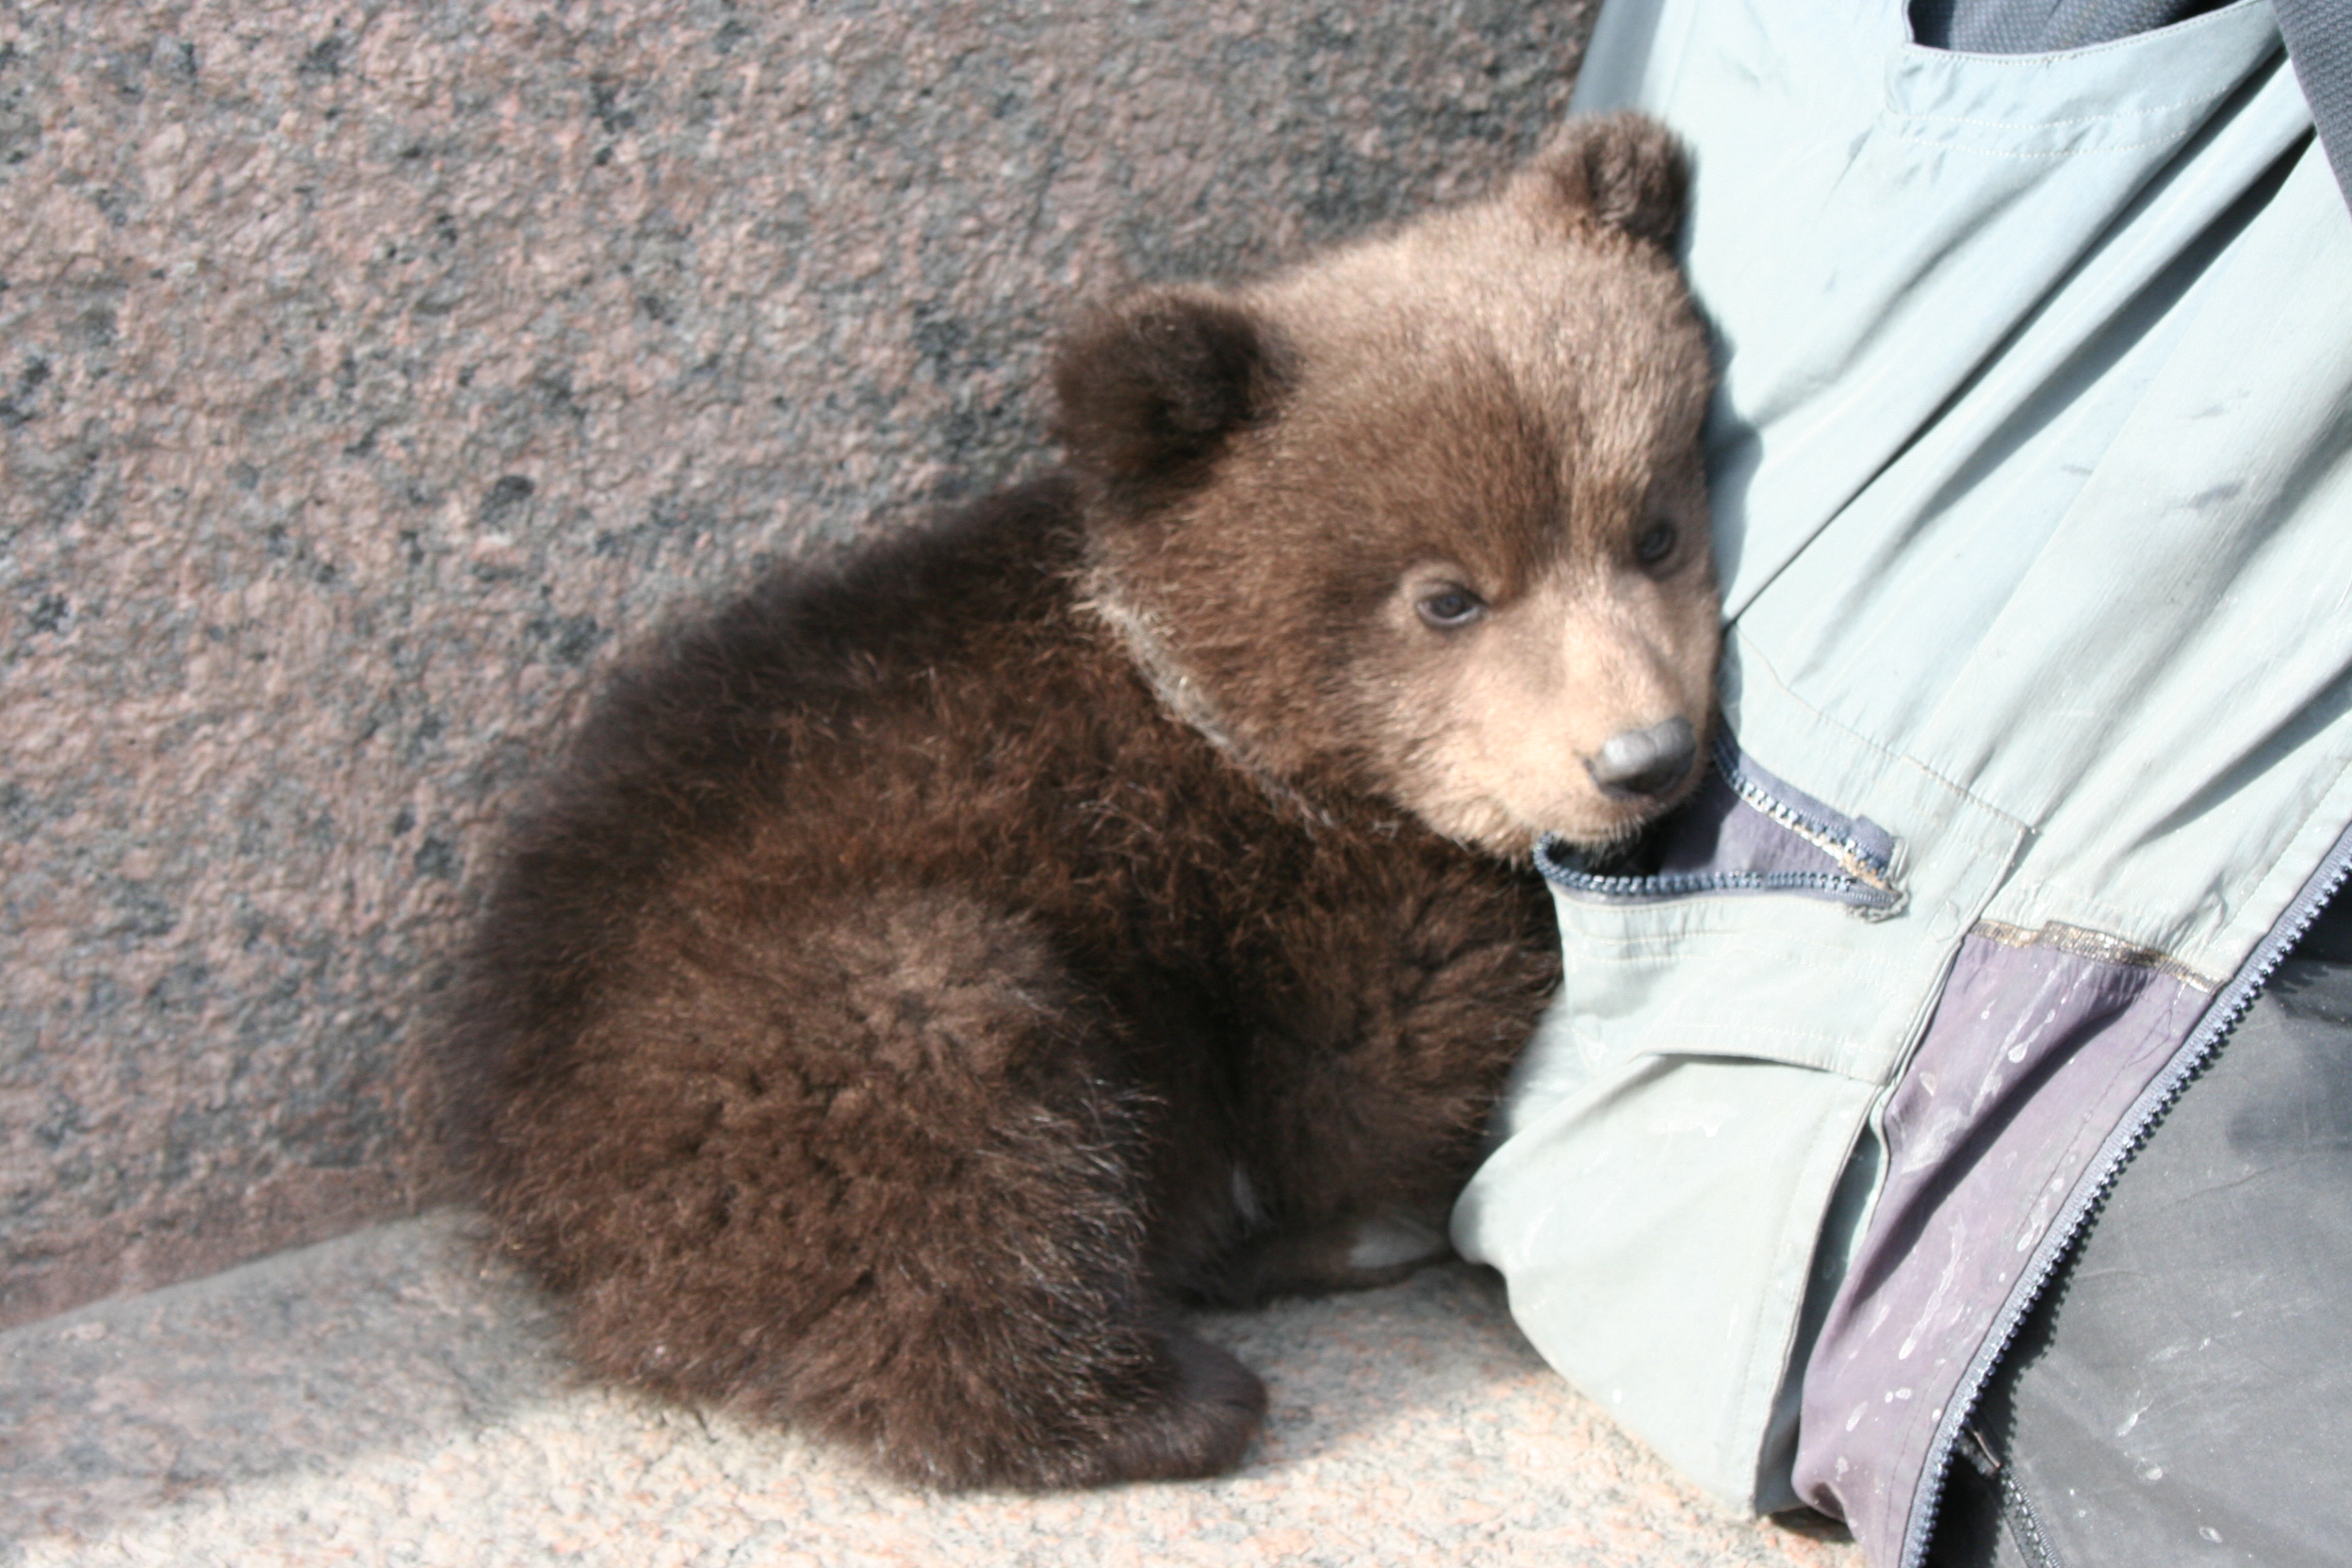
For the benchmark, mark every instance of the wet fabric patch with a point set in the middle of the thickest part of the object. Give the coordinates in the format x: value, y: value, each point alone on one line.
x: 2032, y: 1056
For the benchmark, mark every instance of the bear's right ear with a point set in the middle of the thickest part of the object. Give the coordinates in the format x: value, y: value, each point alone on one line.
x: 1148, y: 389
x: 1623, y: 171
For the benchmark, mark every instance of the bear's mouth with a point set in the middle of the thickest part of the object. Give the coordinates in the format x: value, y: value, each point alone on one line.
x: 1622, y: 841
x: 1489, y: 823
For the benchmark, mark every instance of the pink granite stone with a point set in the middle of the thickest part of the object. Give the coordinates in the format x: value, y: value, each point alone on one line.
x: 369, y: 374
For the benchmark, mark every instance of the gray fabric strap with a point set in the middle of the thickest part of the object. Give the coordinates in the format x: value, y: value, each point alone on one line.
x: 2319, y: 40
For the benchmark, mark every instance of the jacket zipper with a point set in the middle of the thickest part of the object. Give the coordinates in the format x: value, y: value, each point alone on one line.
x: 1852, y: 858
x: 1863, y: 881
x: 2221, y: 1017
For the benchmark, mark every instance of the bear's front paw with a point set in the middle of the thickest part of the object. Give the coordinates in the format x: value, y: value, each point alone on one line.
x: 1201, y: 1429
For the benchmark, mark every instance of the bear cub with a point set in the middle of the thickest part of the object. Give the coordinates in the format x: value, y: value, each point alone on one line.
x: 930, y: 973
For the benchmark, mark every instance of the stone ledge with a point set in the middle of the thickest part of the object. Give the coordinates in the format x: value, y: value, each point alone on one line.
x: 392, y: 1398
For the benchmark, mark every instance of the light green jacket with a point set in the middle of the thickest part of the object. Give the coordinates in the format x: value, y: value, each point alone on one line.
x: 2034, y: 484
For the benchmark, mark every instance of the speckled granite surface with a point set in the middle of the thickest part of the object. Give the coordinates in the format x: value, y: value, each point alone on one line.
x: 367, y: 371
x: 385, y: 1399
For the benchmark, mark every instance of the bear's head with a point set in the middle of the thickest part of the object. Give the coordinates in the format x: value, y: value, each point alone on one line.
x: 1426, y: 517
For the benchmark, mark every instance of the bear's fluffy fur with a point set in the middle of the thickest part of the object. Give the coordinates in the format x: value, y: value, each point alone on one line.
x: 928, y: 973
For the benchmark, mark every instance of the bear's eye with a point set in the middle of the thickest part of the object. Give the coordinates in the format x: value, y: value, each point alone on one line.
x: 1655, y: 543
x: 1452, y: 606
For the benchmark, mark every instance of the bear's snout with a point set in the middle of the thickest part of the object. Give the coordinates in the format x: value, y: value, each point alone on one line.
x: 1641, y: 764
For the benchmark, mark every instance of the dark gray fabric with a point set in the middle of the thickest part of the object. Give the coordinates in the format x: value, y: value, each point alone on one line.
x: 2183, y: 1391
x: 2319, y: 42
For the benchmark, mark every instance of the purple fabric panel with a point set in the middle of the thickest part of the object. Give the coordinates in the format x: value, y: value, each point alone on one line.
x: 1717, y: 833
x: 1859, y: 832
x: 2032, y: 1056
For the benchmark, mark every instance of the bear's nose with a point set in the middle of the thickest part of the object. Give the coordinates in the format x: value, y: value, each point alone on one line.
x: 1645, y: 761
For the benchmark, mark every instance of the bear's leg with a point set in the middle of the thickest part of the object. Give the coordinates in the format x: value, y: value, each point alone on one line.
x: 1363, y: 1249
x: 870, y: 1170
x: 1401, y: 987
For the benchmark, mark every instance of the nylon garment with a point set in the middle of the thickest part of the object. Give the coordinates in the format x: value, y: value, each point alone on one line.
x: 2032, y: 491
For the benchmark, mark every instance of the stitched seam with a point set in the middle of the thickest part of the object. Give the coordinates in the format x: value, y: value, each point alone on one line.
x: 2108, y: 46
x: 2083, y: 942
x: 2053, y: 124
x: 2063, y: 153
x: 1750, y: 653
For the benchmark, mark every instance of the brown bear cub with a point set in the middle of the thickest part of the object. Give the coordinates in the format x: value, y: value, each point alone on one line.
x: 928, y: 974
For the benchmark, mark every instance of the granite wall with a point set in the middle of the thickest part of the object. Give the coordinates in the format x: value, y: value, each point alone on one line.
x: 369, y: 373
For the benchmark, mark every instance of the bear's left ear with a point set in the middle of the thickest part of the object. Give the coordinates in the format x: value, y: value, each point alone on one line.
x: 1148, y: 389
x: 1622, y: 171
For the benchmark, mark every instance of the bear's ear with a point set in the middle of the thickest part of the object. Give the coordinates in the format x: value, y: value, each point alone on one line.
x: 1622, y: 171
x: 1148, y: 388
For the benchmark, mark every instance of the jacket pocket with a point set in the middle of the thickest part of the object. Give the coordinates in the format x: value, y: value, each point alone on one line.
x: 1736, y: 988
